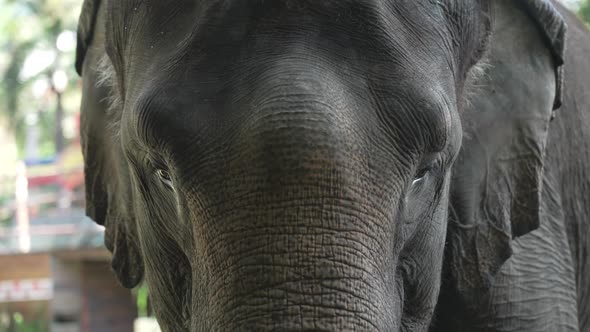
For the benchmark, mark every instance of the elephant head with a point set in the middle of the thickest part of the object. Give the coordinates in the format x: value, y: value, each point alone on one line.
x: 288, y: 164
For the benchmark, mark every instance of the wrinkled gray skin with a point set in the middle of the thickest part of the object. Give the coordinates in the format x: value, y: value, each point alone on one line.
x: 287, y: 165
x: 545, y: 285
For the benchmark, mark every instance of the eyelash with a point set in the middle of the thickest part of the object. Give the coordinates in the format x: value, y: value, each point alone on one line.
x: 422, y: 173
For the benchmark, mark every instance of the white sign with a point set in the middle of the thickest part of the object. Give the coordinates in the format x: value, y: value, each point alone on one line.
x: 26, y: 290
x: 146, y: 324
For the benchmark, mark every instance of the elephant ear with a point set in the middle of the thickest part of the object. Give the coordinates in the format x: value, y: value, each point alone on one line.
x: 497, y: 178
x: 106, y: 175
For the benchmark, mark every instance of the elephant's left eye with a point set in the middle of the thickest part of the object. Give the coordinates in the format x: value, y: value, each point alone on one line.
x: 165, y: 177
x: 430, y: 165
x: 419, y: 177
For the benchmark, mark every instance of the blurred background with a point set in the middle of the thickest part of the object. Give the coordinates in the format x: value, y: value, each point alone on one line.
x: 54, y: 270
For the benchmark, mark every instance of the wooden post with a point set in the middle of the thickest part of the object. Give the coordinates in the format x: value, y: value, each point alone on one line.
x: 22, y: 208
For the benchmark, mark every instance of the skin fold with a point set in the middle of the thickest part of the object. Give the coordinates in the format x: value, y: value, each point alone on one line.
x: 544, y: 285
x: 332, y: 166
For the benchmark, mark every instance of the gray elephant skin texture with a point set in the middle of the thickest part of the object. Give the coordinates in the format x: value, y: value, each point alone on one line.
x: 340, y: 165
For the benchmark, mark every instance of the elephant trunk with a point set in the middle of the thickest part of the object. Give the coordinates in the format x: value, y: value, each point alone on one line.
x: 294, y: 238
x: 296, y: 277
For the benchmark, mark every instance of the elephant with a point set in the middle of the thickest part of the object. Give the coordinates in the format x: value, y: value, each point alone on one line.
x: 338, y: 165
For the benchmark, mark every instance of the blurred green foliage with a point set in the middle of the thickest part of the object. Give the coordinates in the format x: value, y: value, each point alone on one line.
x: 142, y: 301
x: 28, y: 28
x: 585, y: 11
x: 20, y: 325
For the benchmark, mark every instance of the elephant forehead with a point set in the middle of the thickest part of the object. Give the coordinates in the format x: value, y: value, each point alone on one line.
x: 205, y: 59
x: 140, y: 30
x: 211, y: 102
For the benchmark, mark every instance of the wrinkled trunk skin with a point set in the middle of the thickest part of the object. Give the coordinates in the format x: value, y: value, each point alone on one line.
x: 294, y: 239
x: 300, y: 261
x: 300, y: 264
x: 300, y: 278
